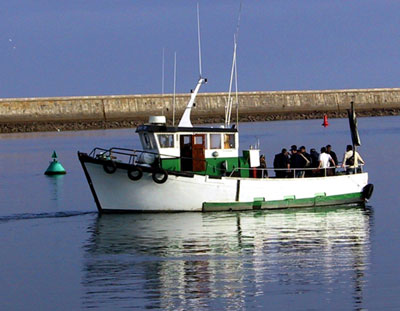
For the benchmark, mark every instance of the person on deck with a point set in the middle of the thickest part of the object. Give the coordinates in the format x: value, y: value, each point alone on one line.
x: 297, y: 162
x: 262, y: 173
x: 307, y: 158
x: 351, y: 159
x: 314, y: 158
x: 314, y: 162
x: 334, y: 158
x: 281, y: 164
x: 324, y: 162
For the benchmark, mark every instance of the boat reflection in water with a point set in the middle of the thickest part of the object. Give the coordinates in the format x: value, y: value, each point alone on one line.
x: 228, y: 260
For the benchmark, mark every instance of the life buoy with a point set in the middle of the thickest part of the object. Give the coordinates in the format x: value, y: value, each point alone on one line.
x: 109, y: 167
x: 160, y: 176
x: 135, y: 173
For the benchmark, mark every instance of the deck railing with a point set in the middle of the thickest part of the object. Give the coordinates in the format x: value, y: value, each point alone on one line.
x: 135, y: 157
x: 301, y: 172
x: 125, y: 155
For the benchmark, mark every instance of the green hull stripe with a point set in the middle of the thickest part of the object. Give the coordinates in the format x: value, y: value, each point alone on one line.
x: 287, y: 203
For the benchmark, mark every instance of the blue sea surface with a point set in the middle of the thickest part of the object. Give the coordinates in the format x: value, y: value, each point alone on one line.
x: 57, y: 253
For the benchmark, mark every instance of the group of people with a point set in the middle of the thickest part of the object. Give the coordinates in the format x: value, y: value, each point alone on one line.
x: 299, y: 163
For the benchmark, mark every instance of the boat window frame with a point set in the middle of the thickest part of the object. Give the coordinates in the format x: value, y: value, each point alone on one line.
x: 171, y: 140
x: 231, y: 142
x: 212, y: 147
x: 148, y: 141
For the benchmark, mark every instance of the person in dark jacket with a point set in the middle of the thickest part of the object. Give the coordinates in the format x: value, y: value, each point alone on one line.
x: 314, y: 158
x: 297, y: 161
x: 281, y: 162
x: 314, y: 162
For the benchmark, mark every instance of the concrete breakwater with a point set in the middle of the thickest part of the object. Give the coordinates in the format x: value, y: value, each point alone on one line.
x: 74, y: 113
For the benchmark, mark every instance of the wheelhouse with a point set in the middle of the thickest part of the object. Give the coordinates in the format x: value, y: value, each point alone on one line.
x: 210, y: 151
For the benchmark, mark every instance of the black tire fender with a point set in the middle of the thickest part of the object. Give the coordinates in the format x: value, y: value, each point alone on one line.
x: 367, y: 191
x: 160, y: 179
x: 110, y: 167
x: 135, y: 173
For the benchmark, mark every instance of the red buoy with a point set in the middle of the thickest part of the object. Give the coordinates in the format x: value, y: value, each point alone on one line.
x: 325, y: 124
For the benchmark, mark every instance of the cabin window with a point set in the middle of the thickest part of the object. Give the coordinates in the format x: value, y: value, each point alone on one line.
x: 229, y: 141
x: 187, y: 139
x: 148, y: 141
x: 166, y: 140
x: 198, y: 140
x: 215, y: 141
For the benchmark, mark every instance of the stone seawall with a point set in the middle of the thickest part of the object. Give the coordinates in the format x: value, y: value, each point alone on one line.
x: 72, y: 113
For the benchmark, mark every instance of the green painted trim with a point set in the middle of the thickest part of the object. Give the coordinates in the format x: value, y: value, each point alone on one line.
x: 259, y: 199
x: 214, y: 166
x: 318, y: 200
x: 244, y: 163
x: 171, y: 164
x: 289, y: 197
x: 230, y: 206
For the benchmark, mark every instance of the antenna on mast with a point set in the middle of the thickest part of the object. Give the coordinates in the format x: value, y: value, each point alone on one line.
x: 236, y: 93
x: 238, y: 21
x: 162, y: 72
x: 229, y: 105
x: 185, y: 120
x: 198, y: 38
x: 173, y: 103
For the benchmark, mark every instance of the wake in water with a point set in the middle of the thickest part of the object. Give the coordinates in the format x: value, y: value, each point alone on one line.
x: 25, y: 216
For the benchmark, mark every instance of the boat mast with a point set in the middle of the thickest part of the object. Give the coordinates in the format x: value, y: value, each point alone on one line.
x: 198, y: 38
x: 173, y: 102
x: 355, y: 137
x: 228, y: 107
x: 185, y: 120
x: 236, y: 95
x: 234, y: 75
x: 162, y: 72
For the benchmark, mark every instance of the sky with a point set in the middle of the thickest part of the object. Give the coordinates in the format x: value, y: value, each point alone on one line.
x: 115, y: 47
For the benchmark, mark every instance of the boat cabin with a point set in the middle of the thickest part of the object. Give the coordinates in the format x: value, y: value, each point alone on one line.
x: 204, y: 150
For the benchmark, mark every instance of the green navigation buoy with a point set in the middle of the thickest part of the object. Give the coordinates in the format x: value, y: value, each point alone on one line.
x: 55, y: 168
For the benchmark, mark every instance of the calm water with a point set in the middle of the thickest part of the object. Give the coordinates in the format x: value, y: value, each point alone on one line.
x: 58, y: 254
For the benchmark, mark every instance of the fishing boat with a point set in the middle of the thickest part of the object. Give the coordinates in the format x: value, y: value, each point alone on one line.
x: 198, y: 169
x: 188, y: 168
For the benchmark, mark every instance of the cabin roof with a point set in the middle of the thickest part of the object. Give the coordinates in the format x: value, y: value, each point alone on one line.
x: 174, y: 129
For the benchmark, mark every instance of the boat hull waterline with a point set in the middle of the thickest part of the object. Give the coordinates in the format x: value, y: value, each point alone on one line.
x: 116, y: 192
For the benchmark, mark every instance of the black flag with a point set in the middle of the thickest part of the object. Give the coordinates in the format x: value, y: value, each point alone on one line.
x: 353, y: 126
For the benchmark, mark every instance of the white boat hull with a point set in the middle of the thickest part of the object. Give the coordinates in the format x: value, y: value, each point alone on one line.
x: 117, y: 193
